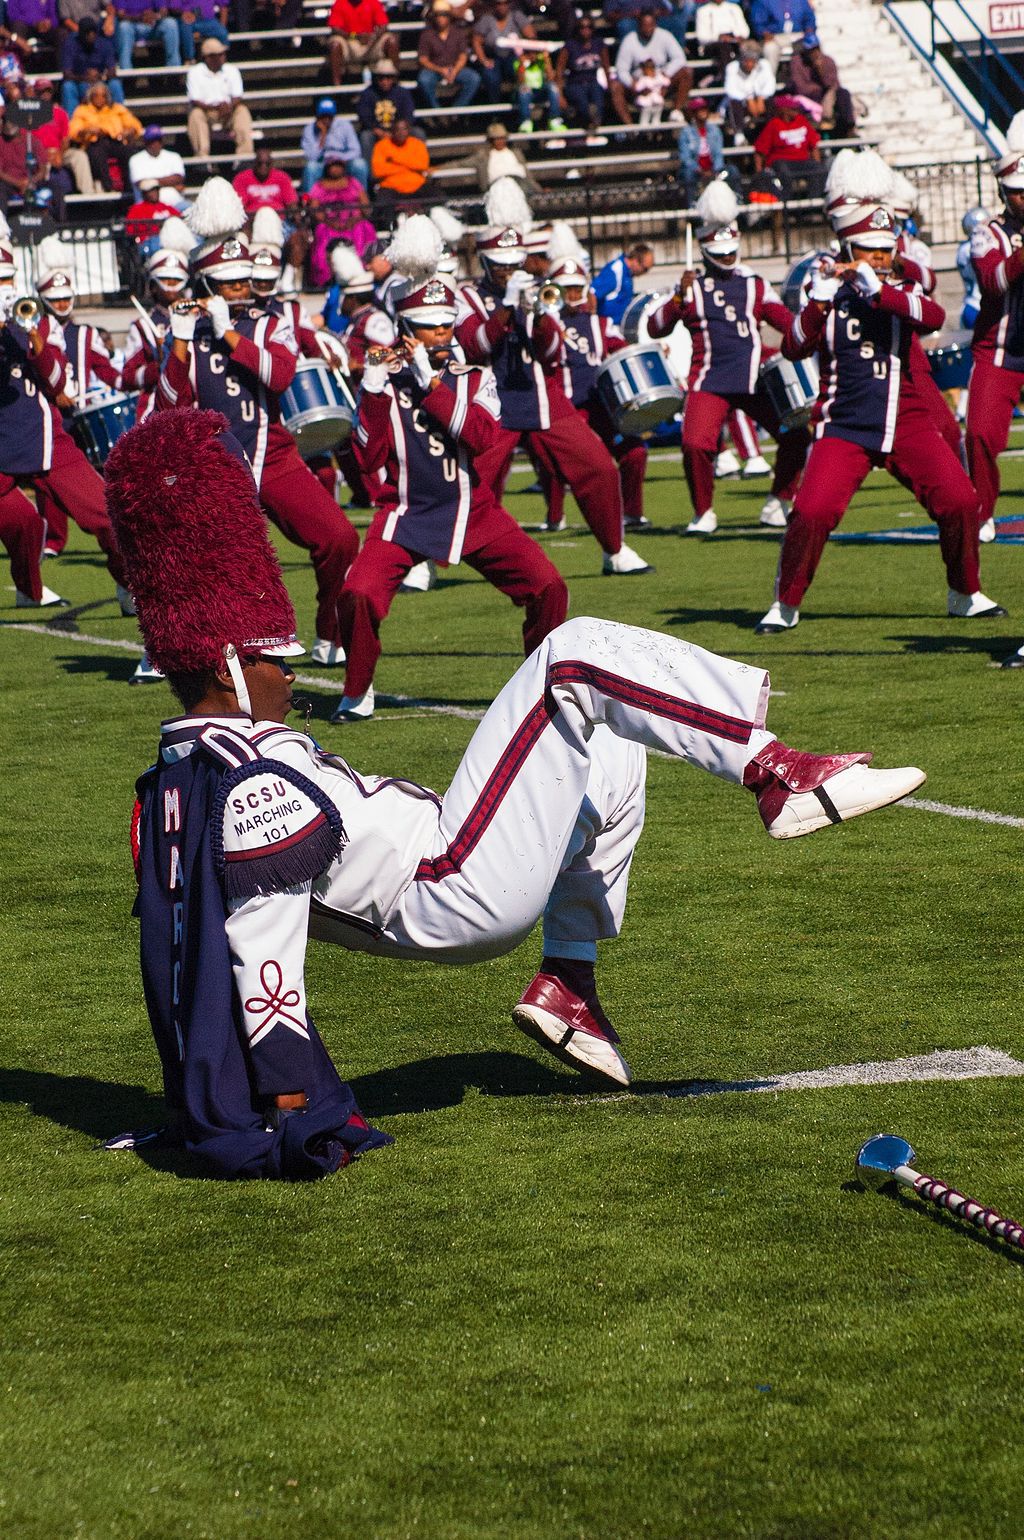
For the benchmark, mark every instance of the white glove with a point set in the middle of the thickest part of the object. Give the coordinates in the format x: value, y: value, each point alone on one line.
x: 332, y: 350
x: 823, y: 287
x: 422, y: 368
x: 515, y: 287
x: 183, y: 325
x: 375, y: 377
x: 866, y: 281
x: 7, y: 301
x: 220, y: 315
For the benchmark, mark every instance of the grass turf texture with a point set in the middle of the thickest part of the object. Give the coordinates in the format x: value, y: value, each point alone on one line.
x: 543, y: 1314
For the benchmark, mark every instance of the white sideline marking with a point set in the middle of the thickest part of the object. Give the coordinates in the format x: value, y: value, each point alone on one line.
x: 979, y: 1063
x: 982, y: 815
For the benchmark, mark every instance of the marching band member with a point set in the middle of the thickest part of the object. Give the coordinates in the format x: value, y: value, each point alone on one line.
x: 745, y: 458
x: 425, y: 423
x: 167, y: 269
x: 525, y: 348
x: 542, y: 818
x: 997, y: 378
x: 266, y: 247
x: 722, y: 306
x: 35, y: 448
x: 860, y: 318
x: 230, y: 355
x: 367, y: 324
x: 589, y: 340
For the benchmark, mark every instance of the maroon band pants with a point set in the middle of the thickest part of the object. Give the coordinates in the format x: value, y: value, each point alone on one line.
x: 703, y: 420
x: 993, y: 395
x: 307, y: 515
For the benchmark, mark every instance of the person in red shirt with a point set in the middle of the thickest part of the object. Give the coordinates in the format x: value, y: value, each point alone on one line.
x: 359, y: 35
x: 143, y: 219
x: 265, y: 186
x: 788, y: 147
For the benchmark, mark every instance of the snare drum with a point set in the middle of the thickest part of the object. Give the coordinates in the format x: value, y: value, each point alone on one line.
x: 676, y: 347
x: 96, y: 429
x: 638, y: 390
x: 791, y: 386
x: 318, y: 408
x: 951, y: 365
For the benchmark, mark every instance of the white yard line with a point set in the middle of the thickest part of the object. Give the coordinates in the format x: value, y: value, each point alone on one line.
x: 979, y: 814
x: 943, y: 1064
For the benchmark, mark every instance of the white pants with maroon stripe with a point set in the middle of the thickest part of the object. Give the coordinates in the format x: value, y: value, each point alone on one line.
x: 547, y: 805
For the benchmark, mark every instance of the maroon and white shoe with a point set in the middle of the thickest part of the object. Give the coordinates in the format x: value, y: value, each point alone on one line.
x: 798, y: 793
x: 562, y: 1022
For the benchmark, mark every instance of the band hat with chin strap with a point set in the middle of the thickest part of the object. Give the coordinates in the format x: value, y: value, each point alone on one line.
x: 217, y: 217
x: 868, y: 224
x: 432, y: 304
x: 55, y: 279
x: 227, y: 261
x: 569, y: 274
x: 1010, y: 167
x: 267, y: 265
x: 502, y: 248
x: 206, y: 579
x: 348, y: 271
x: 8, y: 269
x: 535, y: 241
x: 718, y: 233
x: 167, y: 267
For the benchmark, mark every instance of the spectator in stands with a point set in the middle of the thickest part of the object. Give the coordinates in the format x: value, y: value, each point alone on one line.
x: 442, y: 54
x: 70, y: 15
x: 581, y: 69
x: 65, y: 162
x: 400, y: 166
x: 138, y: 21
x: 145, y: 216
x: 26, y: 170
x: 13, y: 54
x: 749, y: 88
x: 106, y: 131
x: 701, y: 152
x: 496, y: 158
x: 721, y: 26
x: 813, y: 77
x: 613, y: 286
x: 199, y: 19
x: 32, y: 18
x: 156, y: 163
x: 380, y: 105
x: 215, y: 90
x: 359, y: 35
x: 339, y: 209
x: 535, y: 82
x: 647, y: 93
x: 623, y: 15
x: 788, y: 147
x: 774, y: 22
x: 282, y: 13
x: 493, y: 41
x: 265, y: 186
x: 88, y: 57
x: 650, y: 41
x: 329, y: 133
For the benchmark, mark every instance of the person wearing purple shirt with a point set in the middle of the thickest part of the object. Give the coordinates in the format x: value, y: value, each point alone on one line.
x: 32, y: 18
x: 88, y: 57
x: 205, y: 17
x: 330, y: 134
x: 133, y: 27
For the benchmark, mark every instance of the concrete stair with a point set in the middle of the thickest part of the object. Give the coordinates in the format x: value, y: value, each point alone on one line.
x: 911, y: 116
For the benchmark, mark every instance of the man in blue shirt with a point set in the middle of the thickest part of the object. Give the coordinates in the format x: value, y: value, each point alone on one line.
x: 613, y: 286
x: 329, y: 133
x: 771, y: 19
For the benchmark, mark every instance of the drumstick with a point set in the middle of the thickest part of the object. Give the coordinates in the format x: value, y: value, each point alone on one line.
x: 146, y: 325
x: 689, y: 254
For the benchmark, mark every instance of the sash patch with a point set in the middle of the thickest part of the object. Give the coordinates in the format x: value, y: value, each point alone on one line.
x: 272, y: 828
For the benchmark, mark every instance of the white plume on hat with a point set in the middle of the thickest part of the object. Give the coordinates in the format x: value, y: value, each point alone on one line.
x: 564, y: 242
x: 267, y: 231
x: 835, y: 182
x: 1015, y: 134
x: 345, y: 265
x: 904, y: 194
x: 415, y: 248
x: 717, y: 205
x: 506, y: 204
x: 217, y: 211
x: 864, y: 177
x: 450, y: 229
x: 54, y: 256
x: 175, y: 235
x: 5, y: 229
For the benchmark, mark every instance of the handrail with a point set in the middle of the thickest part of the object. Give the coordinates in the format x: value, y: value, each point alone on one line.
x: 976, y: 68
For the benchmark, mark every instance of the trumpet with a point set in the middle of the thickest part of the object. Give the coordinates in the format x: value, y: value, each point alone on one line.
x: 188, y: 307
x: 25, y: 312
x: 548, y: 295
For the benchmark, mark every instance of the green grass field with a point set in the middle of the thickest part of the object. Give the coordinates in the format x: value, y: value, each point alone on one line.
x: 543, y: 1314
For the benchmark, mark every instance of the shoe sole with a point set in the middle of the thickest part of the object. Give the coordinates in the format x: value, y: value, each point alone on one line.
x: 633, y: 572
x: 577, y: 1050
x: 812, y: 825
x: 772, y: 630
x: 995, y: 613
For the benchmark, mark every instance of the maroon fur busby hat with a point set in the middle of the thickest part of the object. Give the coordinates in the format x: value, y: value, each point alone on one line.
x: 200, y: 564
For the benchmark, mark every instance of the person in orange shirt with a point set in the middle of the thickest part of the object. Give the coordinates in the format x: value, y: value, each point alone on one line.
x: 107, y: 131
x: 400, y: 166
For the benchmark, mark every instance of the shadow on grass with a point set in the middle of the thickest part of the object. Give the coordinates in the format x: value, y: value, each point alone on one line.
x: 944, y: 1220
x: 995, y: 647
x: 118, y: 670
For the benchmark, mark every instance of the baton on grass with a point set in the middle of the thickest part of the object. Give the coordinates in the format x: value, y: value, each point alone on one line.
x: 888, y: 1158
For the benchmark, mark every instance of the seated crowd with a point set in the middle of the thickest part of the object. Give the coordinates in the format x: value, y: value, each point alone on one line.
x: 745, y: 74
